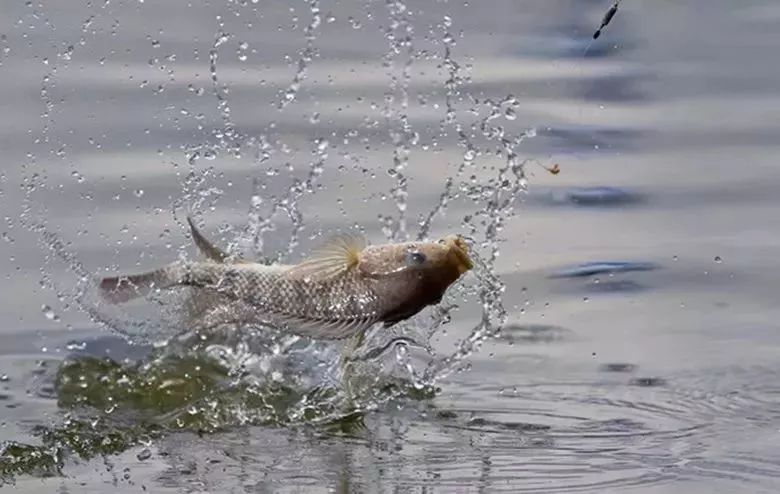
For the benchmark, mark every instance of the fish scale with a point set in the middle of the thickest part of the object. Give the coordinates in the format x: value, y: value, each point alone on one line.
x: 341, y: 289
x: 340, y: 302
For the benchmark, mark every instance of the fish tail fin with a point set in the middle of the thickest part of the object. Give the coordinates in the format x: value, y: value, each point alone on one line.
x: 120, y: 289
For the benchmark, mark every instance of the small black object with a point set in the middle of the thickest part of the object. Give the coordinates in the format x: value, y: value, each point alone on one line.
x: 609, y: 15
x: 607, y: 18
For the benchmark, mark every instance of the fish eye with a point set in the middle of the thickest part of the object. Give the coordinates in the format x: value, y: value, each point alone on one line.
x: 415, y: 258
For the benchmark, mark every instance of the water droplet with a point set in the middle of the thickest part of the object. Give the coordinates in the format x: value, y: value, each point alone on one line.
x: 68, y: 54
x: 144, y: 454
x: 510, y: 114
x: 139, y: 193
x: 48, y: 312
x: 76, y: 346
x: 718, y: 259
x: 241, y: 51
x: 221, y: 39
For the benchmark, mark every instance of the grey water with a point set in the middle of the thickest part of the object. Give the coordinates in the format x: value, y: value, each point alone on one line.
x: 641, y: 348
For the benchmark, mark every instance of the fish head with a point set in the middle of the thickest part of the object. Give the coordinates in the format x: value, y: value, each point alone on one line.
x: 412, y: 275
x: 447, y: 259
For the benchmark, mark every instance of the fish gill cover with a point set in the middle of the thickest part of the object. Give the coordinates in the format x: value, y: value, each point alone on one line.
x: 290, y: 181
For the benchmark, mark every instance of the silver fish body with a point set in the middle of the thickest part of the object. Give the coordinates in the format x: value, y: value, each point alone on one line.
x: 343, y: 289
x: 331, y: 308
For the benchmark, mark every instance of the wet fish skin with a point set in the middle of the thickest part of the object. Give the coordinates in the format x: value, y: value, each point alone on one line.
x: 343, y: 288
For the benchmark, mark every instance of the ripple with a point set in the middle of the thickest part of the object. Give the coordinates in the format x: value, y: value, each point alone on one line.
x: 593, y: 197
x: 649, y: 430
x: 648, y: 382
x: 545, y: 436
x: 587, y: 137
x: 481, y: 423
x: 603, y: 267
x: 617, y: 367
x: 617, y: 286
x: 533, y: 333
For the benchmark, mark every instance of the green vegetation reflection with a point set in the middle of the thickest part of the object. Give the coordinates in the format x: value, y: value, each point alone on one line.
x: 110, y: 407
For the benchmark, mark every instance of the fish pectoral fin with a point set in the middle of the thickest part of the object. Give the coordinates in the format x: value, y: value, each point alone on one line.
x: 339, y: 254
x: 209, y: 249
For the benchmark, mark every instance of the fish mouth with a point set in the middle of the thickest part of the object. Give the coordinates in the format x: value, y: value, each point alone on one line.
x: 459, y: 253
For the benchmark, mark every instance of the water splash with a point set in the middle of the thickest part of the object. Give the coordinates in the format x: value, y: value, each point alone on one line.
x: 306, y: 55
x: 287, y: 205
x: 227, y: 135
x: 494, y: 199
x: 233, y: 374
x: 399, y: 35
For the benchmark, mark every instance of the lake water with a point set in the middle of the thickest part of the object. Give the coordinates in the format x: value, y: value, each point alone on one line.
x: 641, y: 342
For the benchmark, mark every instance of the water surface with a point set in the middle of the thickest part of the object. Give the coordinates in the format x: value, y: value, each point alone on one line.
x: 640, y: 350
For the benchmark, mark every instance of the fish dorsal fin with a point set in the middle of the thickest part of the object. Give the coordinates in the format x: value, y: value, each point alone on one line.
x: 339, y: 254
x: 208, y: 249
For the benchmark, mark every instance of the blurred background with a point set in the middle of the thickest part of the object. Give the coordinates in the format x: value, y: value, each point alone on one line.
x: 642, y: 339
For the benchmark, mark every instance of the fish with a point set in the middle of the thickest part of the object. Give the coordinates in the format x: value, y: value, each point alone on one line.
x: 344, y: 287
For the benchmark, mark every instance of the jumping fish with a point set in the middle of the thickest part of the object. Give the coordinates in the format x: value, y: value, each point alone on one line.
x: 343, y: 288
